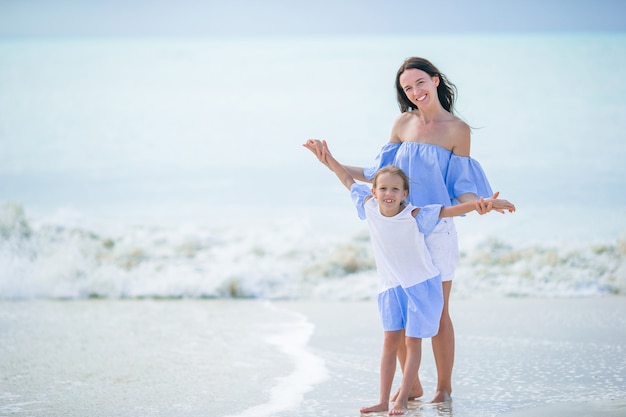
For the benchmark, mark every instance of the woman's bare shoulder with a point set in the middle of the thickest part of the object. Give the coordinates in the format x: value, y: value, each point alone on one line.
x: 403, y: 123
x: 405, y: 117
x: 459, y: 126
x: 458, y: 135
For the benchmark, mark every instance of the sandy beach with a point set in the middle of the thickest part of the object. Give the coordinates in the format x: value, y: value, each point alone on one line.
x: 515, y: 357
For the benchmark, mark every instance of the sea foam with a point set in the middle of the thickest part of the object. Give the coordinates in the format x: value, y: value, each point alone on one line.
x: 286, y: 259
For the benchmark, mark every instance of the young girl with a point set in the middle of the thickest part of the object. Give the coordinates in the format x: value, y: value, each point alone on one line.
x: 410, y: 296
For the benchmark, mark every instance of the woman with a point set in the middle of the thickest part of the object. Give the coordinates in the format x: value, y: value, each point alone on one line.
x: 432, y: 146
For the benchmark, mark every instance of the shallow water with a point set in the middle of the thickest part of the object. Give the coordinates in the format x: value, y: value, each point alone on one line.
x: 511, y: 355
x: 157, y: 358
x: 305, y: 359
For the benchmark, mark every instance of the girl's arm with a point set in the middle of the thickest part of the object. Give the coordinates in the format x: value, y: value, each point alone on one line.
x: 499, y: 204
x: 316, y: 146
x: 483, y: 205
x: 481, y: 208
x: 342, y: 173
x: 467, y: 207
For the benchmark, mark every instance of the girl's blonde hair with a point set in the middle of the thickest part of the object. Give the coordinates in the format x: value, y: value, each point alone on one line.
x: 392, y: 169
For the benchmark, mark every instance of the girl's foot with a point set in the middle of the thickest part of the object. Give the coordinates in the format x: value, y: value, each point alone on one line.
x: 375, y: 408
x: 413, y: 395
x: 398, y: 410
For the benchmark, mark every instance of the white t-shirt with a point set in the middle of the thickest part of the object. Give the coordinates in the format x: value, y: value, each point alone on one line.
x: 398, y: 242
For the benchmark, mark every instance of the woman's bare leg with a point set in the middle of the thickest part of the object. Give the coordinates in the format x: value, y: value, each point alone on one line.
x: 443, y: 349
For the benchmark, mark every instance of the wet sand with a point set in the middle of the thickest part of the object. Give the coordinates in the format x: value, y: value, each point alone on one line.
x: 514, y: 358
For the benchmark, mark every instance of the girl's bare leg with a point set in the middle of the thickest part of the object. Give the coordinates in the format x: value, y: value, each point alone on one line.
x: 443, y: 349
x: 387, y: 370
x: 411, y: 367
x: 416, y: 389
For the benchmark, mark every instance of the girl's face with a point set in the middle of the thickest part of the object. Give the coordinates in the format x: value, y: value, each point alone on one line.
x: 390, y: 192
x: 419, y: 87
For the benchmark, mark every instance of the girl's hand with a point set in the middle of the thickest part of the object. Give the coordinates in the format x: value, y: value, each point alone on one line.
x: 499, y: 204
x: 329, y: 161
x: 316, y: 146
x: 483, y: 206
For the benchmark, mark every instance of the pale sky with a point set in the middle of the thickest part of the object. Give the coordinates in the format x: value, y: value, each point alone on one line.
x: 298, y: 17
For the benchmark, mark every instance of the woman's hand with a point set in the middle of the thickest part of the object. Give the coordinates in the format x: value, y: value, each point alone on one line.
x: 483, y: 206
x: 495, y: 203
x: 317, y: 147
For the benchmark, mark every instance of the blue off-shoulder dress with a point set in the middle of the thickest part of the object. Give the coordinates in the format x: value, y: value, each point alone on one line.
x: 436, y: 176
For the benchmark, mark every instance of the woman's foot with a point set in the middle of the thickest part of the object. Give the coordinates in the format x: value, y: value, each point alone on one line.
x: 375, y: 408
x: 441, y: 397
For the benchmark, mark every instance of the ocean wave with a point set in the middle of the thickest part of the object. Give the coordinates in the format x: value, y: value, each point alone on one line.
x: 282, y: 259
x: 573, y: 270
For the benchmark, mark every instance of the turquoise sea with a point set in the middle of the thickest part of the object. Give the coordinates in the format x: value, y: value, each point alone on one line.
x: 125, y: 159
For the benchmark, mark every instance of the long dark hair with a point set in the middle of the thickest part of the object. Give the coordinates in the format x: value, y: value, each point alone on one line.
x: 446, y: 91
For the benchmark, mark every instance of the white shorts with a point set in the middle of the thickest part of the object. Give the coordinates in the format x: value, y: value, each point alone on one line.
x: 415, y: 309
x: 443, y: 246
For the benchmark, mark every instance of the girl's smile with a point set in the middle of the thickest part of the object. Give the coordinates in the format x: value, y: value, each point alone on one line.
x: 390, y: 192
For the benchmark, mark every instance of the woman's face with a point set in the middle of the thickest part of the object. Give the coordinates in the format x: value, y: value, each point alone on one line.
x: 419, y: 87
